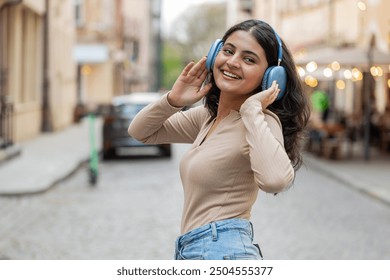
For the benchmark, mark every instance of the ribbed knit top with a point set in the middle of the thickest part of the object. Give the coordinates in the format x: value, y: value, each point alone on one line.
x: 221, y: 174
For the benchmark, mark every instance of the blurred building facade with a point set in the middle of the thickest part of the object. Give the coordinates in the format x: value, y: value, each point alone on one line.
x: 342, y: 47
x: 115, y: 50
x: 142, y: 44
x: 37, y: 69
x: 313, y: 29
x: 56, y: 55
x: 98, y: 51
x: 344, y: 44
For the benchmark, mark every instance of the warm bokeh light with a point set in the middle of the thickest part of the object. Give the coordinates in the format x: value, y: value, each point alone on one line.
x: 301, y: 71
x: 362, y: 6
x: 328, y: 72
x: 340, y: 84
x: 311, y: 81
x: 335, y: 66
x: 388, y: 83
x: 356, y: 75
x: 347, y: 74
x: 380, y: 71
x: 376, y: 71
x: 86, y: 70
x: 311, y: 66
x: 300, y: 53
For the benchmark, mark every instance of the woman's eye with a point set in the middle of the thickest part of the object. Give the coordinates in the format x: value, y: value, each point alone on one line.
x: 249, y: 59
x: 228, y: 51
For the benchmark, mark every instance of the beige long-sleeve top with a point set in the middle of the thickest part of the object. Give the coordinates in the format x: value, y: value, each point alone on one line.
x: 221, y: 174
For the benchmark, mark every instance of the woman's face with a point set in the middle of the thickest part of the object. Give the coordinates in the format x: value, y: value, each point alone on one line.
x: 240, y: 65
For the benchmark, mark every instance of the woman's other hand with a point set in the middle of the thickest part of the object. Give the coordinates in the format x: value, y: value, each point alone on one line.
x: 268, y: 96
x: 188, y: 89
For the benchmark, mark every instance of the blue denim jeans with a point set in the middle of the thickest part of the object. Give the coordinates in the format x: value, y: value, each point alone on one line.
x: 230, y: 239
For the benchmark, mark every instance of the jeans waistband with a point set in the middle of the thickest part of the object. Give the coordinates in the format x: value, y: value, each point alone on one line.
x: 214, y: 227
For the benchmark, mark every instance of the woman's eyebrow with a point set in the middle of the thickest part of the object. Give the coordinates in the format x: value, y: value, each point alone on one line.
x: 244, y: 51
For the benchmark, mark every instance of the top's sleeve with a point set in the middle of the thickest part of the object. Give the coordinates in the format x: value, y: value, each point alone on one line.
x: 160, y: 123
x: 270, y: 163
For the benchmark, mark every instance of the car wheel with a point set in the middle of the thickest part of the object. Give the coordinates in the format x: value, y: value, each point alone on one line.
x: 108, y: 154
x: 166, y: 152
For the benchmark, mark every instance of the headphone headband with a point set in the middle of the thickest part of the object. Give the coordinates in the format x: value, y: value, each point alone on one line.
x: 280, y: 48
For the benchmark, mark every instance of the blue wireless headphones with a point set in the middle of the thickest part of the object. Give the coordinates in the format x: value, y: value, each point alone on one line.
x: 272, y: 73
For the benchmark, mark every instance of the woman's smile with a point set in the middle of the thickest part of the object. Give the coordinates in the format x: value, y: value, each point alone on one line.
x: 231, y: 75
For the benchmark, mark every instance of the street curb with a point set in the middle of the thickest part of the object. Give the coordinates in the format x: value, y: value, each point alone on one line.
x: 49, y: 186
x: 9, y: 153
x: 61, y: 158
x: 322, y: 168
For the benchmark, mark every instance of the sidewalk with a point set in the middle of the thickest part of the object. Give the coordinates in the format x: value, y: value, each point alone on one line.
x: 371, y: 177
x: 52, y: 157
x: 47, y: 159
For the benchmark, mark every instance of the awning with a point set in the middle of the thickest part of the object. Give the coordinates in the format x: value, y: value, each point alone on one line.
x: 91, y: 53
x: 350, y: 56
x: 38, y: 6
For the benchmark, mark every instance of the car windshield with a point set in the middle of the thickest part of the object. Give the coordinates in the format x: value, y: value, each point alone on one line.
x: 128, y: 110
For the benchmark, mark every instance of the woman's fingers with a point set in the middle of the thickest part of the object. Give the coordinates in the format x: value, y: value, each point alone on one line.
x: 198, y: 68
x: 275, y: 92
x: 270, y: 94
x: 203, y: 74
x: 187, y: 68
x: 188, y: 87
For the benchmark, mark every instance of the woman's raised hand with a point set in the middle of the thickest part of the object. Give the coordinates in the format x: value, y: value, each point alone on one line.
x: 267, y: 96
x: 188, y: 89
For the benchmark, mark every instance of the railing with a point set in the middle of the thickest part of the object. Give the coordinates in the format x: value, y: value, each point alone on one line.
x: 6, y: 120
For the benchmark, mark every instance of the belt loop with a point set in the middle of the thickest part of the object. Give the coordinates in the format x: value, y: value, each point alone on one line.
x: 177, y: 249
x: 252, y: 231
x: 214, y: 231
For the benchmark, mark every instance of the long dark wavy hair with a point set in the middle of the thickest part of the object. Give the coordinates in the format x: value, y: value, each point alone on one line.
x: 293, y: 108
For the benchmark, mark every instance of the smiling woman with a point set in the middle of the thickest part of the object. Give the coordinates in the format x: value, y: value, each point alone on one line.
x: 242, y: 60
x: 242, y: 140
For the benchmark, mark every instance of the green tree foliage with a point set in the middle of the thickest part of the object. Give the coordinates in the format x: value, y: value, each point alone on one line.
x: 172, y: 63
x: 200, y: 26
x: 190, y: 39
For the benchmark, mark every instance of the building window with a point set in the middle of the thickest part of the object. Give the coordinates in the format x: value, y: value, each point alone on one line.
x: 31, y: 56
x: 132, y: 48
x: 246, y: 6
x: 135, y: 51
x: 79, y: 12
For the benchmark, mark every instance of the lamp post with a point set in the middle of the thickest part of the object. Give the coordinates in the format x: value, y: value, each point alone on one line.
x: 157, y: 55
x: 367, y: 100
x: 46, y: 125
x: 6, y: 106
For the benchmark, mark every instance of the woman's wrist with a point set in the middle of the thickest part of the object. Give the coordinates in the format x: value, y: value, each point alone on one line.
x: 251, y: 102
x: 172, y: 102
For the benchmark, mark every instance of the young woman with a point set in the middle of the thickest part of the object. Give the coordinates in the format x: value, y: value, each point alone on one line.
x: 243, y: 139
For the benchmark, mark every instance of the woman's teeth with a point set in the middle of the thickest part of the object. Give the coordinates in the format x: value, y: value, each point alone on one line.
x: 231, y: 75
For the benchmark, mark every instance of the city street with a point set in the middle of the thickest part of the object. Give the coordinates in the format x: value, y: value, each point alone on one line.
x: 134, y: 213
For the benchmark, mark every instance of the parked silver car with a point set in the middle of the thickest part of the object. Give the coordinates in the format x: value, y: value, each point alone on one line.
x: 116, y: 140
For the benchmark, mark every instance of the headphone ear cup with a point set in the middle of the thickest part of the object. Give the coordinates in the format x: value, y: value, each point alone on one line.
x: 278, y: 74
x: 214, y: 49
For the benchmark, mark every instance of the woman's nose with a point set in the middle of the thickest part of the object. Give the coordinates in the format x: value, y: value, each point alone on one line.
x: 233, y: 62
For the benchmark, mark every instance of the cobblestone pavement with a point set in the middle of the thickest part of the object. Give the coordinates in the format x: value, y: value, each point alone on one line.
x: 320, y: 218
x: 134, y: 213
